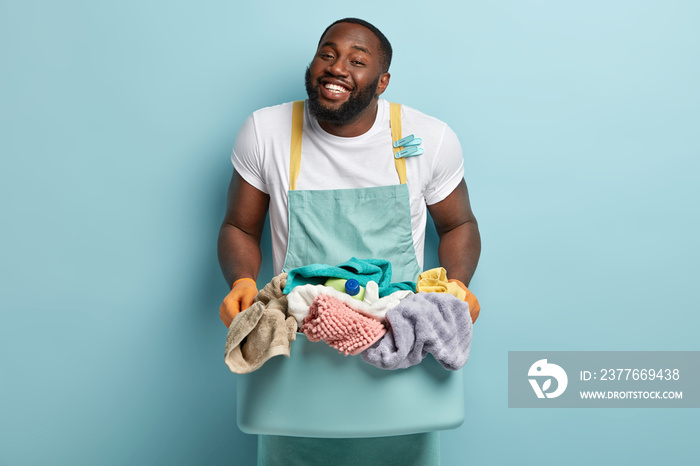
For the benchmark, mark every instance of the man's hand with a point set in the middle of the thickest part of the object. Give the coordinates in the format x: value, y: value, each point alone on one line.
x: 474, y: 307
x: 460, y: 243
x: 239, y: 299
x: 239, y: 245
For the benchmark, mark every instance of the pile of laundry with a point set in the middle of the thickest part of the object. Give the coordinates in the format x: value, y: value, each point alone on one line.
x: 392, y: 326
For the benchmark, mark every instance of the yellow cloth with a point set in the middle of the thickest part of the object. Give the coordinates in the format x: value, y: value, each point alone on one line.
x: 435, y: 281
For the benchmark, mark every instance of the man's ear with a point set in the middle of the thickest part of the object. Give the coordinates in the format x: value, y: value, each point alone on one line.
x: 383, y: 83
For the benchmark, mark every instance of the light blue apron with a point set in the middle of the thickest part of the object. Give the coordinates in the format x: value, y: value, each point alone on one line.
x: 330, y: 227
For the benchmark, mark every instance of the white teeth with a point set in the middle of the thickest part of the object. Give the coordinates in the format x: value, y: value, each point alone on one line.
x: 335, y: 88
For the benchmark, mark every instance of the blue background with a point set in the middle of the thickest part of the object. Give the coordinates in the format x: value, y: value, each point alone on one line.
x: 579, y: 124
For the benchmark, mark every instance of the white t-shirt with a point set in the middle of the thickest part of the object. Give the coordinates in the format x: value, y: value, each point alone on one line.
x: 261, y: 157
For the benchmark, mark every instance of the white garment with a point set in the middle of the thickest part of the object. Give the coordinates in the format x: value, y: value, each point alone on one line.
x: 299, y: 300
x: 261, y: 156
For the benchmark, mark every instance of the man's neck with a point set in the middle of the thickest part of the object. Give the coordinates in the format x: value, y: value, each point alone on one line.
x: 358, y: 127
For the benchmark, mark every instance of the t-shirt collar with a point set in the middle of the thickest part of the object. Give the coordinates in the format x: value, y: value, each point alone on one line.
x: 320, y: 132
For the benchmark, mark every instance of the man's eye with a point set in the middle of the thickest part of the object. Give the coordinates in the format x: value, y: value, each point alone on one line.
x: 325, y: 55
x: 355, y: 62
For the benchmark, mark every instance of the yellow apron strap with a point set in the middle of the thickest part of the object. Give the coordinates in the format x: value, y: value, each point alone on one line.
x: 295, y: 152
x: 395, y: 119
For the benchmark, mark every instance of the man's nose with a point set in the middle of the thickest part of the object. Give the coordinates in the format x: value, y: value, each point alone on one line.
x: 337, y: 68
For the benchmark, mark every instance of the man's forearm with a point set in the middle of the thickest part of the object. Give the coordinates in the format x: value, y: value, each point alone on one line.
x: 459, y: 251
x: 240, y: 233
x: 239, y: 254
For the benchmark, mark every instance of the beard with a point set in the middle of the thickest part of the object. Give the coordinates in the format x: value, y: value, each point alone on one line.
x: 358, y: 101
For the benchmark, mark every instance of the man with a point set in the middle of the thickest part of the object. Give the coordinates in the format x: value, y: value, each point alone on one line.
x: 325, y: 169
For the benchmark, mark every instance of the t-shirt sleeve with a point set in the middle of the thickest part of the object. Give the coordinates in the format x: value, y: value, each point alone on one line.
x: 246, y: 156
x: 448, y: 168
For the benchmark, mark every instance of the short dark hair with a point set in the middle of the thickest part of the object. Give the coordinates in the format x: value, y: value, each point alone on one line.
x: 384, y: 45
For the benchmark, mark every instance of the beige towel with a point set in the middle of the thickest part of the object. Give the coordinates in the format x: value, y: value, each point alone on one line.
x: 262, y: 331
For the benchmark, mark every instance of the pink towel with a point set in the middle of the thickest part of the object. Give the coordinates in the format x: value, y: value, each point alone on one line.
x: 346, y: 330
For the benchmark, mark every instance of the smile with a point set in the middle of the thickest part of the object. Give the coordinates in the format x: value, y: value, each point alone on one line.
x: 336, y: 89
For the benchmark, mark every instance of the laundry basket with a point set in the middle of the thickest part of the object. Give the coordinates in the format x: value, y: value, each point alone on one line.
x: 317, y: 392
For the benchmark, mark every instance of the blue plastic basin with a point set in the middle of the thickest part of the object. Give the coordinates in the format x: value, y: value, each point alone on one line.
x: 317, y: 392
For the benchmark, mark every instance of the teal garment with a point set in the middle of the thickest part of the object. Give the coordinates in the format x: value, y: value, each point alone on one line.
x: 331, y: 226
x: 362, y: 270
x: 403, y: 450
x: 328, y: 227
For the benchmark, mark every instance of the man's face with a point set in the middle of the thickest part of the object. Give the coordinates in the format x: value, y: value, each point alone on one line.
x: 345, y: 75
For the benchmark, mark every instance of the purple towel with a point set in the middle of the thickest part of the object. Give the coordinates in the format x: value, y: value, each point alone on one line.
x: 435, y: 323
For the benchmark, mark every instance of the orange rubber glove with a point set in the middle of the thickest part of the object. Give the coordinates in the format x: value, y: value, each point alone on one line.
x: 239, y: 299
x: 474, y: 307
